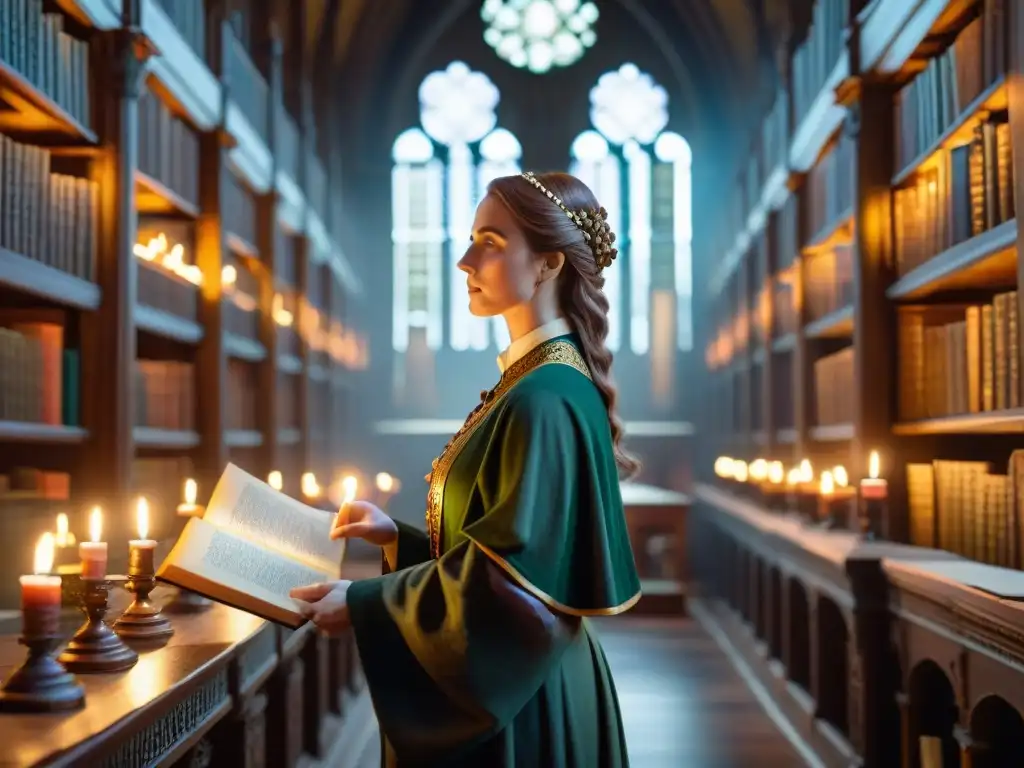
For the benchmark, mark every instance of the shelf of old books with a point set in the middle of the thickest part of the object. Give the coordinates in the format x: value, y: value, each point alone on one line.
x: 48, y: 224
x: 945, y: 285
x: 167, y: 179
x: 956, y: 242
x: 45, y: 75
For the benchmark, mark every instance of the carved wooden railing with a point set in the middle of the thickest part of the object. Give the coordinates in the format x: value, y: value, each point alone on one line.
x: 872, y: 650
x: 227, y: 689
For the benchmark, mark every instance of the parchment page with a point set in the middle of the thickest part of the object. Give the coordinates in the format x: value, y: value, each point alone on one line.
x: 226, y: 568
x: 251, y: 508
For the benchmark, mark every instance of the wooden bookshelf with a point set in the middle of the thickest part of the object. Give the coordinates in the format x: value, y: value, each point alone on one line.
x: 892, y: 276
x: 159, y: 244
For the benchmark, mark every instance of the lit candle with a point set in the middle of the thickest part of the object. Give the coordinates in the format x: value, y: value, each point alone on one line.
x: 188, y: 507
x: 387, y: 486
x: 385, y: 482
x: 40, y: 594
x: 724, y: 467
x: 275, y: 480
x: 349, y: 486
x: 774, y: 489
x: 140, y: 550
x: 310, y: 487
x: 94, y: 552
x: 64, y: 536
x: 874, y: 493
x: 873, y: 486
x: 740, y: 471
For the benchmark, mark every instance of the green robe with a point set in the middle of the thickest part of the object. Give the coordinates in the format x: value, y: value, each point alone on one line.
x: 476, y: 649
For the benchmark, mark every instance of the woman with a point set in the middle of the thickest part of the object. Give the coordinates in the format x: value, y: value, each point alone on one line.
x: 474, y: 642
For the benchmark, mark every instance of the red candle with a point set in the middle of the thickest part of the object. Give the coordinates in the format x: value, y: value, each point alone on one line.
x: 94, y: 553
x: 40, y: 594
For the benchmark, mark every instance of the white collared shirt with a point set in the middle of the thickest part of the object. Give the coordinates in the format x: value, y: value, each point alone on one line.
x: 522, y: 346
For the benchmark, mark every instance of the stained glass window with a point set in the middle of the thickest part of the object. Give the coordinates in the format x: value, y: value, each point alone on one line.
x: 433, y: 203
x: 538, y: 35
x: 641, y: 174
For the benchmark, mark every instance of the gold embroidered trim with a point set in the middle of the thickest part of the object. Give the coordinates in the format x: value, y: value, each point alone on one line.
x: 547, y: 599
x: 552, y: 352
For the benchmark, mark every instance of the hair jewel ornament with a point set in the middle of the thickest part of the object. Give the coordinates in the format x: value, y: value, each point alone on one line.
x: 592, y: 223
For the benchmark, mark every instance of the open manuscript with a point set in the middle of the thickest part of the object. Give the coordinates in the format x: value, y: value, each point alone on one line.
x: 251, y: 547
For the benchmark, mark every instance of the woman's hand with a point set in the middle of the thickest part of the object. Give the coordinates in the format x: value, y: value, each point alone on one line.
x: 363, y: 520
x: 326, y: 605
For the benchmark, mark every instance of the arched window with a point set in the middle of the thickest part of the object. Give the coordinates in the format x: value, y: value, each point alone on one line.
x: 641, y: 175
x: 458, y: 118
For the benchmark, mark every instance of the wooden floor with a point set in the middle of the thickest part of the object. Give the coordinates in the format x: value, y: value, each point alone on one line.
x: 683, y: 703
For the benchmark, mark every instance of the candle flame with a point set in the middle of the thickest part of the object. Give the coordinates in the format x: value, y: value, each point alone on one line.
x: 806, y: 471
x: 827, y: 485
x: 740, y: 471
x: 62, y: 526
x: 776, y: 472
x: 43, y: 562
x: 191, y: 491
x: 310, y: 487
x: 385, y: 482
x: 95, y: 524
x: 874, y: 465
x: 724, y: 467
x: 841, y: 476
x: 275, y: 480
x: 758, y: 469
x: 349, y: 485
x: 142, y: 517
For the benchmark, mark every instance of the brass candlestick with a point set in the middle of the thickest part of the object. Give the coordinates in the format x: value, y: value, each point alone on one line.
x: 188, y: 602
x: 95, y: 646
x: 41, y: 683
x: 143, y: 620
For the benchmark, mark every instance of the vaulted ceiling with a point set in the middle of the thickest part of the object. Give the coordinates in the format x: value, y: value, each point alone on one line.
x: 720, y: 52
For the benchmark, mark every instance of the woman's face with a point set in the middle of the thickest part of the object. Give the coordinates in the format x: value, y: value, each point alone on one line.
x: 502, y: 272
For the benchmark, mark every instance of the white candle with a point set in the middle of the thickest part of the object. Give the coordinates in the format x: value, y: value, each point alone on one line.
x: 140, y: 550
x: 188, y: 507
x: 874, y: 487
x: 349, y: 486
x: 310, y: 487
x: 94, y: 552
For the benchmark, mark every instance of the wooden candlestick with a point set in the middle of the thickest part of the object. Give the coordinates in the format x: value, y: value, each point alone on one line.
x: 41, y: 684
x: 143, y: 620
x: 95, y: 646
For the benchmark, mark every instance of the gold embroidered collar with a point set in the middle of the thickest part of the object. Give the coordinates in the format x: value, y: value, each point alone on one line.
x: 557, y: 352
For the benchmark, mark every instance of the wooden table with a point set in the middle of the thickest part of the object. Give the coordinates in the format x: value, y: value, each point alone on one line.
x: 227, y: 687
x: 656, y: 512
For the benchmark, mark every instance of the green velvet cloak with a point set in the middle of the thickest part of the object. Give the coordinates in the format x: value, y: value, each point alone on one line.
x: 476, y: 649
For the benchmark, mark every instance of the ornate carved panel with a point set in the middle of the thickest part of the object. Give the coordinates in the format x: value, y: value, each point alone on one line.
x: 149, y: 745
